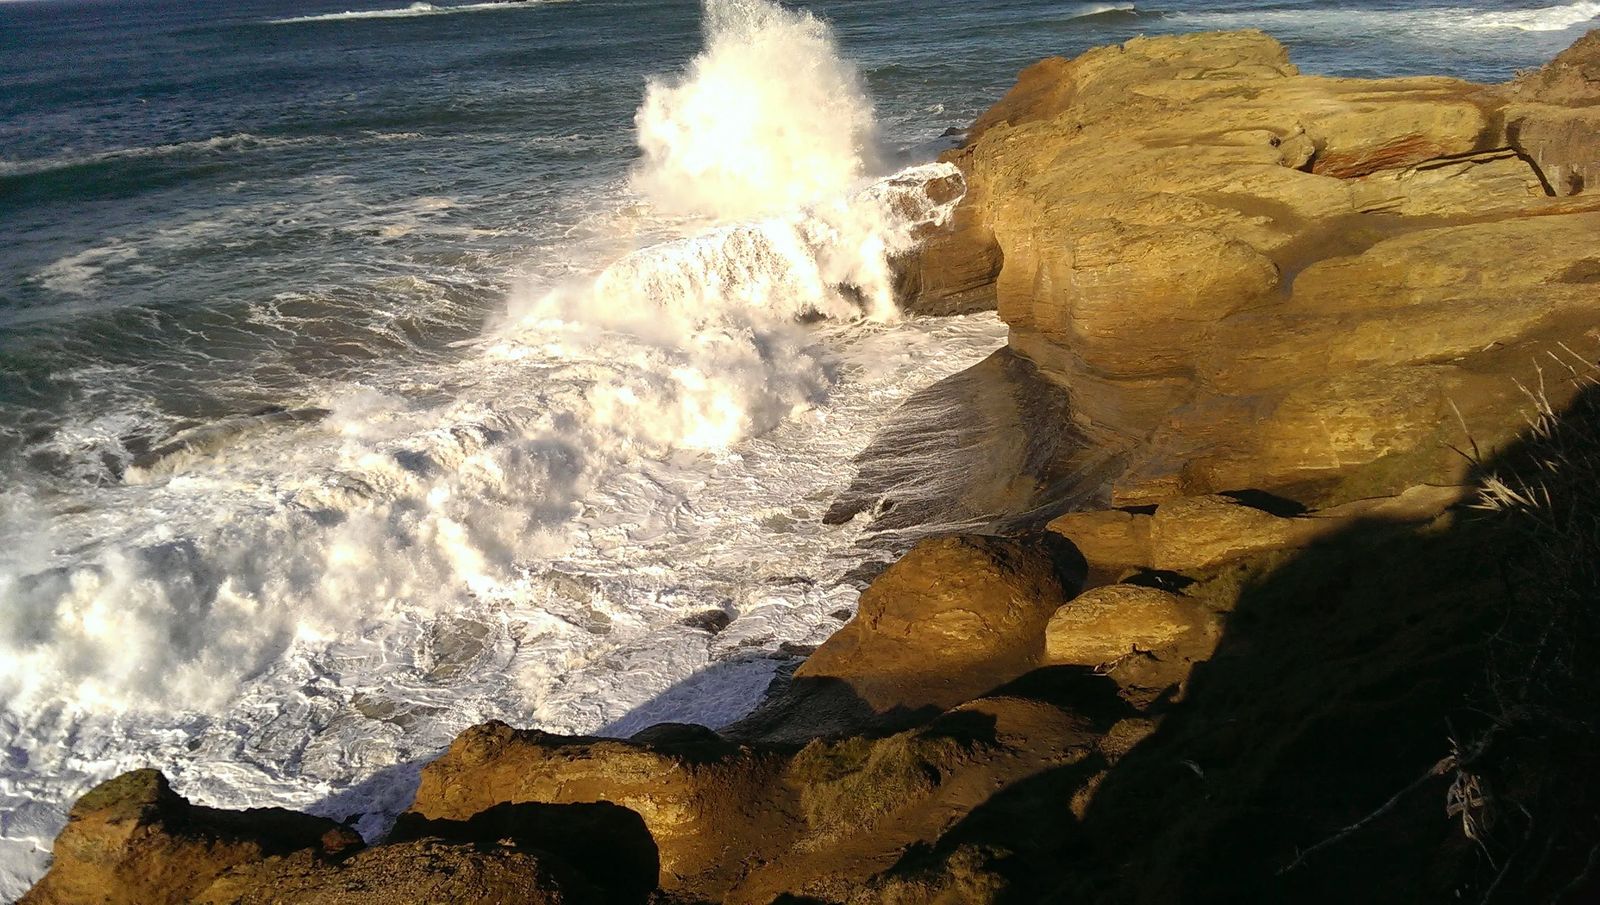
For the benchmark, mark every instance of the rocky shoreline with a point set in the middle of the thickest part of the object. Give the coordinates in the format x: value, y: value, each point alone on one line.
x: 1282, y: 584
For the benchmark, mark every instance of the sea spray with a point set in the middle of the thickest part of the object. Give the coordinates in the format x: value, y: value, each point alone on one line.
x: 769, y: 117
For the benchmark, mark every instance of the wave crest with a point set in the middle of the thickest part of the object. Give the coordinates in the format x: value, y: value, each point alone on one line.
x: 1549, y: 18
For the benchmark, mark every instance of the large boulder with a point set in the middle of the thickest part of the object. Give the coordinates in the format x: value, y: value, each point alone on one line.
x: 1103, y: 626
x: 1194, y: 535
x: 951, y: 619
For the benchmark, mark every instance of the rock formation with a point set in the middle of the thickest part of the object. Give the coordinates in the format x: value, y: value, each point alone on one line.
x: 1249, y: 278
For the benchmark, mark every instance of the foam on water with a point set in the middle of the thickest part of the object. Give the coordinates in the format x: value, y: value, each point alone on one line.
x: 1424, y: 24
x: 1548, y: 18
x: 77, y: 274
x: 276, y: 606
x: 218, y: 144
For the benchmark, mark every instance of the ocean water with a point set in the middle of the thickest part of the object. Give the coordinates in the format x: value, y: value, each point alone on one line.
x: 368, y: 370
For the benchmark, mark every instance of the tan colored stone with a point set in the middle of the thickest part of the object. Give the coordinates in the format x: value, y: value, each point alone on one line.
x: 689, y: 794
x: 1248, y: 278
x: 1103, y: 624
x: 951, y: 619
x: 1194, y: 533
x: 1563, y: 142
x: 1452, y: 185
x: 1571, y: 79
x: 1110, y: 540
x: 133, y: 841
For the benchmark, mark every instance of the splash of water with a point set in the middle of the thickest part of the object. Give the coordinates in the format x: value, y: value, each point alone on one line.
x: 768, y: 118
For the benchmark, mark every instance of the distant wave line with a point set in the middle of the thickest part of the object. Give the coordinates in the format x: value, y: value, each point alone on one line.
x: 1545, y: 19
x: 1090, y: 10
x: 1549, y: 18
x: 415, y: 9
x: 239, y: 141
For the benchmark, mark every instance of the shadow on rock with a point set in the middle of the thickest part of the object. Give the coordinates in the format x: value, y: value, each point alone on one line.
x: 1395, y: 714
x: 606, y: 843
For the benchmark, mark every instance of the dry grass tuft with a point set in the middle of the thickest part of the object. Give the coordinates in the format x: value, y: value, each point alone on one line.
x: 1524, y: 787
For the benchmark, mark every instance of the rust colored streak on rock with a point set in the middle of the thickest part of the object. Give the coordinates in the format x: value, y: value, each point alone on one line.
x: 1412, y: 149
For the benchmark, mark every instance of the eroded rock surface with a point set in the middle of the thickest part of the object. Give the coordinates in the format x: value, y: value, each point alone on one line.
x: 1252, y: 278
x: 133, y: 840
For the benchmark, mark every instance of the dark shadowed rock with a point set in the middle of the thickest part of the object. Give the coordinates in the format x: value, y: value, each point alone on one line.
x: 420, y: 872
x: 994, y: 449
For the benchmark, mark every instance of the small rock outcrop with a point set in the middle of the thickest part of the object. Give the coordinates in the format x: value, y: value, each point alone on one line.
x: 1102, y: 626
x: 1554, y: 118
x: 133, y: 840
x: 690, y: 790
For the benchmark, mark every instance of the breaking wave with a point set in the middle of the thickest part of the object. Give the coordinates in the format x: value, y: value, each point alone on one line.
x: 1549, y: 18
x: 767, y: 118
x: 1421, y: 24
x: 1088, y: 10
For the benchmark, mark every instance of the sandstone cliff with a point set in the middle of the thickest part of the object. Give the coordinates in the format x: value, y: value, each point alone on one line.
x: 1246, y: 277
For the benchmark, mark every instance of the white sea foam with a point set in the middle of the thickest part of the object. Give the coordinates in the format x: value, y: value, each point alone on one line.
x: 1548, y: 18
x: 79, y: 273
x: 281, y: 608
x: 407, y: 12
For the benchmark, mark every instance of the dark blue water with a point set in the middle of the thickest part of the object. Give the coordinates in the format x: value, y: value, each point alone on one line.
x: 287, y: 233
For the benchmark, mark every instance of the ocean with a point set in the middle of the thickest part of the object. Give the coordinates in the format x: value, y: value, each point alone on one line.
x: 370, y: 370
